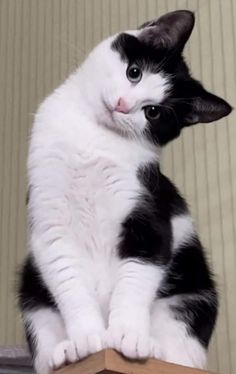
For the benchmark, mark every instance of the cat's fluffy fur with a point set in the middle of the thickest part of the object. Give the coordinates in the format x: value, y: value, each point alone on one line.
x: 114, y: 258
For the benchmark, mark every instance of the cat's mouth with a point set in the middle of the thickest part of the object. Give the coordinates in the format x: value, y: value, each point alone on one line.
x: 113, y: 119
x: 116, y: 120
x: 108, y: 112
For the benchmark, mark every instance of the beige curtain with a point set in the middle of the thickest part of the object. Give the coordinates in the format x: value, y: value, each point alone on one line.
x: 41, y: 41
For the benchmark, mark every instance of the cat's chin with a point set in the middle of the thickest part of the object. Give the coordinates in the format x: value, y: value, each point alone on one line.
x: 121, y: 130
x: 113, y: 121
x: 121, y: 124
x: 116, y: 127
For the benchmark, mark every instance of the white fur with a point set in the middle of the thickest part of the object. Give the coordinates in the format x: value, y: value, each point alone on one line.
x: 131, y: 301
x: 183, y: 229
x: 171, y: 340
x: 50, y: 332
x: 83, y: 179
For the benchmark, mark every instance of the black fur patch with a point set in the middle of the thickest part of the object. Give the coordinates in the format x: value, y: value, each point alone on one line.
x: 133, y: 50
x: 146, y: 233
x: 188, y: 272
x: 166, y: 197
x: 200, y: 315
x: 33, y: 294
x: 32, y: 291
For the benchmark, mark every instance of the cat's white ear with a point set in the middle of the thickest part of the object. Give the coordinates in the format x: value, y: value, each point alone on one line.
x: 172, y: 30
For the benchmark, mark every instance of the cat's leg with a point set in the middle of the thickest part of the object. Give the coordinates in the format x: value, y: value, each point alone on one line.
x: 58, y: 247
x: 48, y: 339
x: 69, y: 283
x: 45, y: 334
x: 144, y: 249
x: 44, y: 326
x: 72, y: 288
x: 129, y: 319
x: 174, y: 331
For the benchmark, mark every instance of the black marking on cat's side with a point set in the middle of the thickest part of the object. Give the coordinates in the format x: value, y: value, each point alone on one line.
x: 199, y: 314
x: 146, y: 233
x: 147, y: 236
x: 188, y: 272
x: 32, y: 292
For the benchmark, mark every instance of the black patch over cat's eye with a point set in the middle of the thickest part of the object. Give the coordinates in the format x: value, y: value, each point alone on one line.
x: 151, y: 112
x: 134, y: 73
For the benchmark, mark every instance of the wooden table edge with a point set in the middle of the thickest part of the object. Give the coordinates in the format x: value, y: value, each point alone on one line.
x: 111, y: 362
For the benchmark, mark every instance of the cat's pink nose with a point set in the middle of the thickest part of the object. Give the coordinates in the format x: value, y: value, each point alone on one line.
x: 121, y: 106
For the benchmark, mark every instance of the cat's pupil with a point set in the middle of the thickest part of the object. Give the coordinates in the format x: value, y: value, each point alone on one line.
x: 152, y: 112
x: 134, y: 73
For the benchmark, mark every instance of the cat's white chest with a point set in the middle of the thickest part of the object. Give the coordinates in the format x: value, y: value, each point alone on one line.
x: 91, y: 174
x: 103, y: 193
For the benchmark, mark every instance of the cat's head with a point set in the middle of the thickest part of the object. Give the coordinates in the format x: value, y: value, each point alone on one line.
x: 143, y: 85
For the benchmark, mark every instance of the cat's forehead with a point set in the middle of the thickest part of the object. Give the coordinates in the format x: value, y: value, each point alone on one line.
x: 133, y: 47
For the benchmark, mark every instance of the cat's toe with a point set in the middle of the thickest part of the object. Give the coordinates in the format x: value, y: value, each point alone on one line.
x: 132, y: 344
x: 135, y: 345
x: 64, y: 353
x: 69, y: 351
x: 89, y: 343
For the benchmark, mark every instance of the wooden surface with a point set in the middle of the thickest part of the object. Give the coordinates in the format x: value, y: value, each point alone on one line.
x: 110, y: 362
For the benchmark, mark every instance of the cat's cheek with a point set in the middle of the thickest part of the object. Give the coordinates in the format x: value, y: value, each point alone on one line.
x: 141, y: 124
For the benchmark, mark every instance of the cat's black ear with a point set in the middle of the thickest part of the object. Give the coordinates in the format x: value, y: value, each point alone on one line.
x: 172, y: 30
x: 206, y: 107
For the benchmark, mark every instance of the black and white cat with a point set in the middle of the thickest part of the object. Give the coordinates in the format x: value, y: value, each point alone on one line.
x: 114, y: 258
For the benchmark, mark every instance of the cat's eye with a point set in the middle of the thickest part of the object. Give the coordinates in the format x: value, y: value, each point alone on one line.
x: 134, y: 73
x: 152, y: 112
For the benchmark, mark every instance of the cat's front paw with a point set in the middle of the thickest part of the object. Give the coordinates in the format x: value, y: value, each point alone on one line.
x: 63, y: 354
x: 131, y: 343
x: 70, y: 351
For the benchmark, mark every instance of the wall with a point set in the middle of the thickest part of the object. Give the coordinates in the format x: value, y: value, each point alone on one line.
x: 41, y: 41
